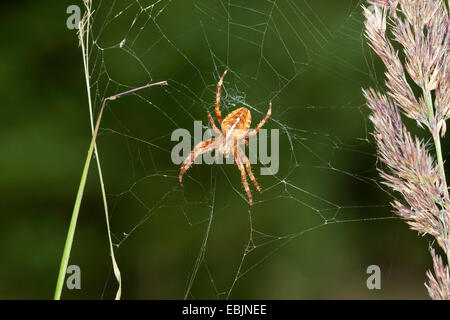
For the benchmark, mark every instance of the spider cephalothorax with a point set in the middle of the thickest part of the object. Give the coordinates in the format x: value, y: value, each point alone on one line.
x: 233, y: 132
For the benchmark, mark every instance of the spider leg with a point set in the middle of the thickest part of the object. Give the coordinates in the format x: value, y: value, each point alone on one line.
x: 249, y: 169
x: 201, y: 147
x: 213, y: 125
x: 219, y: 86
x: 263, y: 121
x: 243, y: 177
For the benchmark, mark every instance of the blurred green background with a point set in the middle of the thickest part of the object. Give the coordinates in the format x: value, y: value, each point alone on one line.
x: 321, y: 220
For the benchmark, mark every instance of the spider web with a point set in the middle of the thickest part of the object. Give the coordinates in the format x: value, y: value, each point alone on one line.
x: 201, y: 241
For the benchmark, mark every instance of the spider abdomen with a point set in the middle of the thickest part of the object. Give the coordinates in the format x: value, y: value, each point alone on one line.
x: 238, y: 122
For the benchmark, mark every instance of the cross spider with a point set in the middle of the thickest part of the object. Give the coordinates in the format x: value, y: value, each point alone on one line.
x: 234, y: 131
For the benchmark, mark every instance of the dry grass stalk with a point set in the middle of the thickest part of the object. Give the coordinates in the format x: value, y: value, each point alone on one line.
x: 421, y: 28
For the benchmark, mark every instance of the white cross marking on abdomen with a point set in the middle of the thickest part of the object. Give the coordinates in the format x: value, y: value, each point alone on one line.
x: 231, y: 129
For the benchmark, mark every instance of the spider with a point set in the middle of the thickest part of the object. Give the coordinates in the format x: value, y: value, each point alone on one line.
x: 233, y: 132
